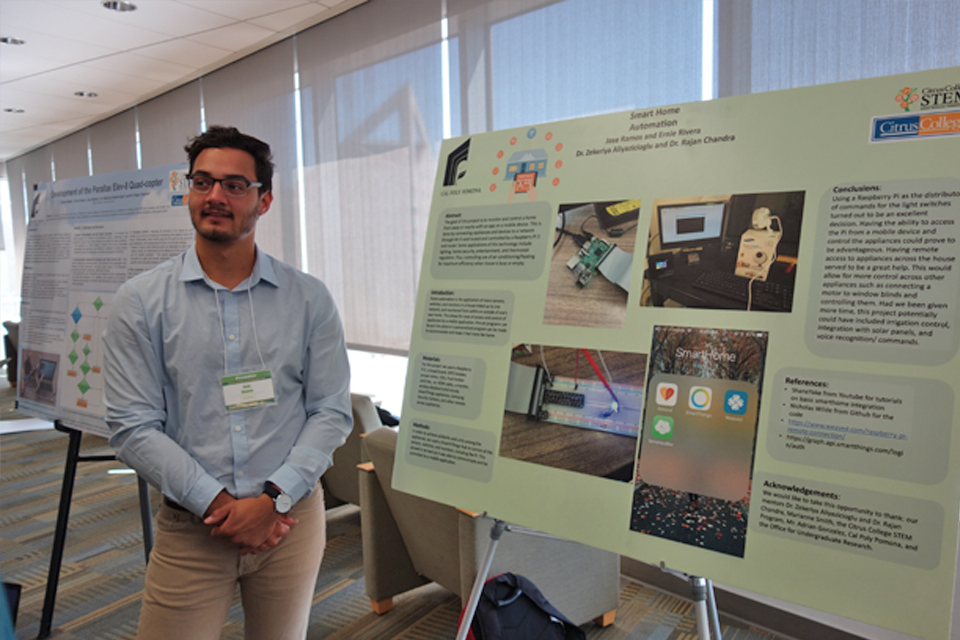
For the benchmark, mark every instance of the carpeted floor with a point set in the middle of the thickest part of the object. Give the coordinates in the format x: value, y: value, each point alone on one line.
x: 103, y: 564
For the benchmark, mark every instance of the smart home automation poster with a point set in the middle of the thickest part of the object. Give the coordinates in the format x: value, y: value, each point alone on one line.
x: 722, y: 336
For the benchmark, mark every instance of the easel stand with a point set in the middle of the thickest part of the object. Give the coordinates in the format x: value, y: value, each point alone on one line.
x: 63, y: 517
x: 496, y: 532
x: 704, y: 603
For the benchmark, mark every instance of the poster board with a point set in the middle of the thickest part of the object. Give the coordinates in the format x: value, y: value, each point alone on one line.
x: 87, y: 236
x: 718, y: 335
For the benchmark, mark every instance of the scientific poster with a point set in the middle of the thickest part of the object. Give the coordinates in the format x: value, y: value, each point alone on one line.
x: 86, y: 237
x: 719, y: 335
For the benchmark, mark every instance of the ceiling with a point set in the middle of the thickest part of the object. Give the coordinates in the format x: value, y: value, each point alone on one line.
x: 72, y: 46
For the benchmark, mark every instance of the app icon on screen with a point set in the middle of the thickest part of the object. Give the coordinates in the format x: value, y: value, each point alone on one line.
x: 667, y: 393
x: 735, y: 402
x: 662, y: 427
x: 700, y: 398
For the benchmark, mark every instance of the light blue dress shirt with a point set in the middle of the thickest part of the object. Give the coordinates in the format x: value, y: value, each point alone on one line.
x: 166, y: 349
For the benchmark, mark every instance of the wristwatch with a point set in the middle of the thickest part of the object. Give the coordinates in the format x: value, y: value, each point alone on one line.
x: 281, y: 501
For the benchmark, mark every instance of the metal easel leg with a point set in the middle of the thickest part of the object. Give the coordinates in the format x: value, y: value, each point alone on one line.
x: 704, y: 603
x: 63, y: 519
x: 712, y: 604
x: 698, y: 589
x: 60, y: 532
x: 496, y: 532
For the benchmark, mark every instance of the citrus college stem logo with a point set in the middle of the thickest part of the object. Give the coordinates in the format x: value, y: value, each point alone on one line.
x: 178, y: 187
x: 907, y: 97
x: 941, y: 123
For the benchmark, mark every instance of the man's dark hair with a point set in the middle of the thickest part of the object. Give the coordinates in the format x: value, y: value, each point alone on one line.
x: 219, y: 137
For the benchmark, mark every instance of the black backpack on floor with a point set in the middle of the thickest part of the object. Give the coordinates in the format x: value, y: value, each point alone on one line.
x: 512, y: 608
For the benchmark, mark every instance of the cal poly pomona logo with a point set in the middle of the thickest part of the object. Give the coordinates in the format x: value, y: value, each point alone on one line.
x: 907, y: 97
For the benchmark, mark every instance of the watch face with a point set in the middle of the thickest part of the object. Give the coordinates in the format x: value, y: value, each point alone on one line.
x: 283, y: 503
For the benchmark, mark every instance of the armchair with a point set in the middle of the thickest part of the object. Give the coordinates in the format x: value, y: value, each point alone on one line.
x: 409, y: 541
x: 10, y: 342
x: 340, y: 484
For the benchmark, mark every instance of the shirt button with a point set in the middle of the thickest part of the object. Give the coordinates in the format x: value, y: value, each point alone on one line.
x: 232, y: 337
x: 237, y: 428
x: 239, y: 474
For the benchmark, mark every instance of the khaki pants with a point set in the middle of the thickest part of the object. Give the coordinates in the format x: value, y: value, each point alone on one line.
x: 191, y: 579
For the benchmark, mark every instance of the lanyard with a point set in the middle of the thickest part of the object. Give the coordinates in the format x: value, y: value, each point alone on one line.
x: 223, y: 330
x: 245, y: 390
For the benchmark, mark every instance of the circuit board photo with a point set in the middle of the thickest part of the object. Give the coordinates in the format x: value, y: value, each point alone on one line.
x: 585, y: 263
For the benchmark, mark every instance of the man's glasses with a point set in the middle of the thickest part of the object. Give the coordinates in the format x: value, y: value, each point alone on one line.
x: 235, y: 187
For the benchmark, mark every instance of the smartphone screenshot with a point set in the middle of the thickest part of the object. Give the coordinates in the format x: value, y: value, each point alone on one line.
x: 698, y: 435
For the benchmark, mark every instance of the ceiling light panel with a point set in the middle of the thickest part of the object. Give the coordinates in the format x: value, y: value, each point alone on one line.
x: 282, y: 20
x: 193, y: 54
x: 45, y: 52
x: 149, y: 71
x: 59, y: 17
x: 173, y: 19
x: 54, y: 109
x: 243, y: 9
x: 94, y: 77
x: 112, y: 87
x: 237, y: 36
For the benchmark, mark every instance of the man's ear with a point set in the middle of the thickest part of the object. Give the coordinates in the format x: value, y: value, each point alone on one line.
x: 265, y: 200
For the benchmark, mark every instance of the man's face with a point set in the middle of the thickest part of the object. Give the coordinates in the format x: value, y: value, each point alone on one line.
x: 216, y: 216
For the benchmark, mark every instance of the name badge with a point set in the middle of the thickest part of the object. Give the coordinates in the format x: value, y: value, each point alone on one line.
x: 246, y: 390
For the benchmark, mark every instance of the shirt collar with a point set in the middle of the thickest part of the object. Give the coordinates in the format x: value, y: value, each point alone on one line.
x: 262, y: 270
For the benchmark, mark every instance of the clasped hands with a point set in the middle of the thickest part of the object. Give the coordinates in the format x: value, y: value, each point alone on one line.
x: 250, y: 524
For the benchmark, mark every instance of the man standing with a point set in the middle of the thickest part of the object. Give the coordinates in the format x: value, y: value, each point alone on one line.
x: 227, y: 386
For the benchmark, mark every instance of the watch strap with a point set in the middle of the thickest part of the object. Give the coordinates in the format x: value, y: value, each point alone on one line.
x: 271, y: 490
x: 282, y: 502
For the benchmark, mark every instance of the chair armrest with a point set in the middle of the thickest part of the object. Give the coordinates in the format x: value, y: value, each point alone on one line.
x: 364, y: 457
x: 387, y: 567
